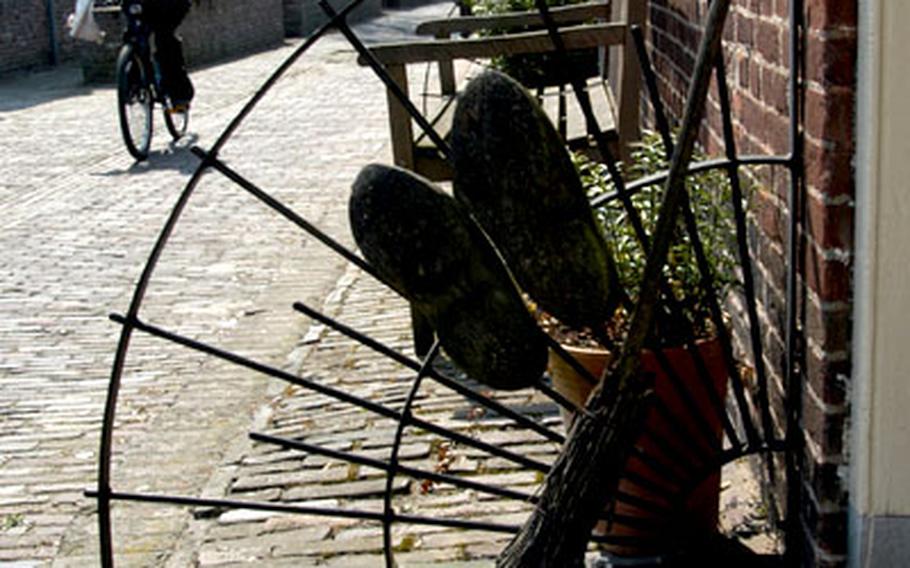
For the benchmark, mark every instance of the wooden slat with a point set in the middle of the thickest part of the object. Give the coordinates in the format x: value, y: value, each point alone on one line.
x: 431, y: 166
x: 575, y: 37
x: 400, y: 121
x: 625, y: 78
x: 446, y: 71
x: 561, y: 15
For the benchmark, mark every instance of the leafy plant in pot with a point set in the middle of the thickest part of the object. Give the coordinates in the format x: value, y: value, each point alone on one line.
x: 710, y: 203
x: 520, y: 184
x: 516, y: 181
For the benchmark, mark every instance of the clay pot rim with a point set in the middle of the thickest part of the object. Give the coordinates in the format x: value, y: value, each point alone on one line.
x: 584, y: 350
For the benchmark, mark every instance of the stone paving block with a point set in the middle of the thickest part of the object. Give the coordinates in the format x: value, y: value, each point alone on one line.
x: 295, y: 522
x: 218, y: 555
x: 460, y: 539
x: 329, y: 548
x: 290, y: 479
x: 353, y: 489
x: 434, y: 557
x: 458, y: 564
x: 354, y: 561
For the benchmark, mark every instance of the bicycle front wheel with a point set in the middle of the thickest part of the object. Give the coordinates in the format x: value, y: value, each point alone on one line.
x: 135, y: 103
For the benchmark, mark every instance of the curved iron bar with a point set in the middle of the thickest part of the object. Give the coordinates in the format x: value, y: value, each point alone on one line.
x: 772, y: 446
x: 406, y: 419
x: 110, y: 406
x: 695, y: 168
x: 656, y: 467
x: 113, y: 389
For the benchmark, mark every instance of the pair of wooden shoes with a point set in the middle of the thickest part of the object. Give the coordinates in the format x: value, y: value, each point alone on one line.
x: 518, y: 203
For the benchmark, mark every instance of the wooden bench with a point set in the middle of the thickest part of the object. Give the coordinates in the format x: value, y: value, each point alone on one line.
x: 595, y: 25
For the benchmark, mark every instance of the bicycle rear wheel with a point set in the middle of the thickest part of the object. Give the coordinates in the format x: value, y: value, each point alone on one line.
x: 176, y: 121
x: 134, y: 102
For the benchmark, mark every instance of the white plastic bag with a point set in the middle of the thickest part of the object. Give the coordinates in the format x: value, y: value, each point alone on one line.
x: 82, y: 23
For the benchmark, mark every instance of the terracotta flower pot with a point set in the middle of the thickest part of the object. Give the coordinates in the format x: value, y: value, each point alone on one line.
x: 700, y: 514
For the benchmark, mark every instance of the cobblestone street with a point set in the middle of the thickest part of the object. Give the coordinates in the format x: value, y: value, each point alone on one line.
x: 78, y: 219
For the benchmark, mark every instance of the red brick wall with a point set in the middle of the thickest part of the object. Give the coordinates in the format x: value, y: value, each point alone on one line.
x: 757, y: 48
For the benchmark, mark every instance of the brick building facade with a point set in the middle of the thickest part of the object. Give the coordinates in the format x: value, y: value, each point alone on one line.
x: 757, y: 61
x: 33, y: 32
x: 214, y: 29
x: 28, y: 31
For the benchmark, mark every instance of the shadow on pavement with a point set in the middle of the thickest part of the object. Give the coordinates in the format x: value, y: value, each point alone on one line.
x: 177, y: 156
x: 25, y: 89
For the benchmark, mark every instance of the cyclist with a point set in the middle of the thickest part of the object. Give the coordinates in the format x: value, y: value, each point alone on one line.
x: 163, y: 17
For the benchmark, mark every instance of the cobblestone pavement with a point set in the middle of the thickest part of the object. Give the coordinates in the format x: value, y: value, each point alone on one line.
x: 78, y: 220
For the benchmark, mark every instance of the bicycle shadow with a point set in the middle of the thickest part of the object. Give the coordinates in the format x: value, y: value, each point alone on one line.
x: 177, y: 156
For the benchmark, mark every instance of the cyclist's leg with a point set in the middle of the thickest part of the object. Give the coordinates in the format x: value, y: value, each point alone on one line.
x: 164, y: 20
x: 174, y: 78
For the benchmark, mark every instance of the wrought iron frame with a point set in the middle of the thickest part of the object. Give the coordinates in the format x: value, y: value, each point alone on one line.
x: 757, y: 438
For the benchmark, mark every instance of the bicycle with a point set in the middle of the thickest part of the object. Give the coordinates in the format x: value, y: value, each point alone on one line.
x: 139, y: 87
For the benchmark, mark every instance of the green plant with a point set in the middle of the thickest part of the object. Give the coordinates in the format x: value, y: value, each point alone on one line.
x: 535, y: 70
x: 479, y: 7
x: 710, y: 199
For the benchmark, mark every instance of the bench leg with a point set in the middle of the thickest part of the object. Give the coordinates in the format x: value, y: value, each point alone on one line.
x: 423, y: 333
